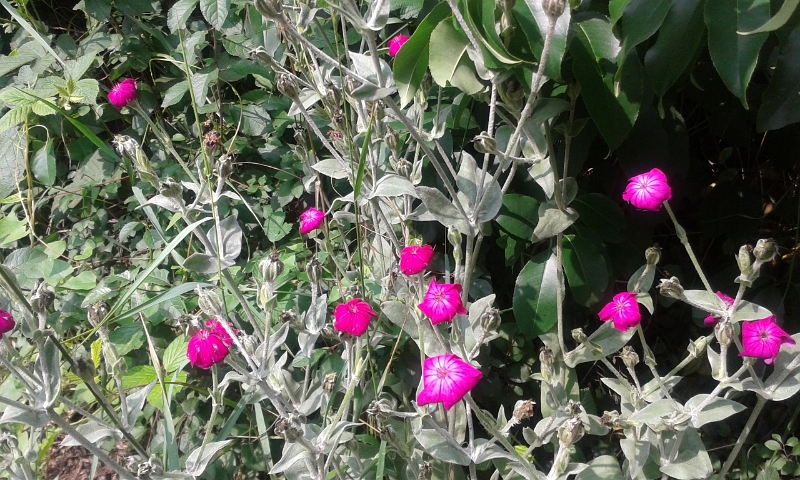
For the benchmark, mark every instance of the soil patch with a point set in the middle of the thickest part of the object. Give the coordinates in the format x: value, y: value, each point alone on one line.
x: 75, y: 463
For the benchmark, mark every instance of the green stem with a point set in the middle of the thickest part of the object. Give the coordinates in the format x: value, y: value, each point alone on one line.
x: 685, y: 241
x: 742, y: 437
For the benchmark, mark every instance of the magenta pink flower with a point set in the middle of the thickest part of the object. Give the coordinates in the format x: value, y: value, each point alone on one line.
x: 415, y: 259
x: 310, y: 220
x: 442, y: 302
x: 446, y: 379
x: 206, y: 349
x: 123, y: 93
x: 215, y: 328
x: 711, y: 320
x: 6, y: 322
x: 763, y: 339
x: 623, y: 311
x: 353, y: 317
x: 648, y: 190
x: 395, y: 43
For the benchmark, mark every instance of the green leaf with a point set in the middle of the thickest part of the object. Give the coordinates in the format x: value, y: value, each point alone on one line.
x: 179, y: 13
x: 518, y: 216
x: 692, y: 462
x: 558, y: 44
x: 175, y: 354
x: 127, y: 338
x: 585, y: 269
x: 411, y: 61
x: 552, y: 221
x: 14, y: 117
x: 200, y: 83
x: 616, y: 8
x: 12, y: 229
x: 678, y: 39
x: 781, y: 102
x: 613, y: 104
x: 604, y: 467
x: 85, y: 92
x: 215, y: 11
x: 605, y: 341
x: 442, y: 208
x: 641, y: 19
x: 174, y: 94
x: 785, y: 13
x: 12, y: 160
x: 735, y: 56
x: 717, y: 410
x: 449, y: 62
x: 602, y: 215
x: 43, y: 165
x: 85, y: 280
x: 535, y: 295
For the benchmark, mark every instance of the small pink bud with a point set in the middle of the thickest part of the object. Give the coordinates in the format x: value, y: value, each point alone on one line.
x: 6, y: 322
x: 123, y: 93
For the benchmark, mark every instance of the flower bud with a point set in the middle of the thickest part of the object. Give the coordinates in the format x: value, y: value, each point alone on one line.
x: 126, y: 147
x: 425, y: 471
x: 152, y: 467
x: 388, y: 434
x: 97, y: 312
x: 553, y: 8
x: 512, y: 94
x: 42, y: 298
x: 209, y: 302
x: 403, y: 168
x: 84, y: 364
x: 391, y: 139
x: 454, y: 237
x: 288, y: 429
x: 313, y: 270
x: 653, y: 255
x: 260, y: 55
x: 351, y: 84
x: 765, y: 250
x: 271, y: 9
x: 506, y: 5
x: 571, y: 432
x: 485, y: 144
x: 339, y: 118
x: 329, y: 383
x: 171, y: 189
x: 287, y: 316
x: 629, y: 357
x: 579, y: 336
x: 249, y: 344
x: 490, y: 319
x: 224, y: 166
x: 523, y: 409
x: 271, y: 267
x: 724, y: 333
x: 743, y: 260
x: 611, y: 419
x: 287, y: 84
x: 332, y: 97
x: 547, y: 360
x: 379, y: 109
x: 671, y: 287
x: 266, y: 296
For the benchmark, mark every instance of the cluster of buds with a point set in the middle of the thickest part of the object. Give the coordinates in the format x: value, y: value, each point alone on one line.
x: 764, y: 252
x: 209, y: 302
x: 271, y: 267
x: 271, y: 9
x: 129, y: 148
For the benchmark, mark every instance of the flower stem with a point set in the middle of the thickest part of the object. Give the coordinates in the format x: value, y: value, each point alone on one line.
x: 742, y: 437
x: 685, y: 241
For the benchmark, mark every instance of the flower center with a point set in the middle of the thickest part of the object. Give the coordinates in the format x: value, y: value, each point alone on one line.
x: 439, y: 297
x: 764, y: 335
x: 352, y: 309
x: 442, y: 373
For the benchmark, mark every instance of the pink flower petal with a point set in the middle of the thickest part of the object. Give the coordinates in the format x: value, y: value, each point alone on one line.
x: 6, y: 322
x: 648, y: 190
x: 123, y: 93
x: 353, y: 317
x: 395, y: 43
x: 623, y: 311
x: 446, y: 379
x: 763, y: 339
x: 442, y: 302
x: 206, y: 349
x: 310, y: 220
x: 415, y: 259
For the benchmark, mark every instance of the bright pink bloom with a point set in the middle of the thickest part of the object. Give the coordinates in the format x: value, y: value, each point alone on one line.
x: 206, y: 349
x: 6, y: 322
x: 446, y: 379
x: 623, y: 311
x: 648, y: 190
x: 353, y: 317
x: 763, y: 339
x: 123, y: 93
x: 711, y: 320
x: 310, y: 220
x: 415, y: 259
x: 395, y: 43
x: 442, y: 302
x: 215, y: 328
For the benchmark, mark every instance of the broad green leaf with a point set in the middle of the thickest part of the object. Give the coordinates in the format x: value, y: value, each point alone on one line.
x: 85, y: 280
x: 558, y: 47
x: 449, y: 62
x: 175, y: 354
x: 480, y: 16
x: 43, y: 166
x: 11, y: 119
x: 604, y: 467
x: 585, y: 269
x: 616, y: 8
x: 411, y: 61
x: 735, y: 56
x: 215, y: 11
x: 785, y: 13
x: 552, y: 221
x: 641, y: 19
x: 12, y: 229
x: 12, y: 160
x: 605, y: 341
x: 535, y: 295
x: 518, y: 216
x: 127, y: 338
x: 442, y: 208
x: 602, y: 215
x: 678, y: 39
x: 174, y: 94
x: 200, y: 83
x: 781, y: 101
x: 612, y: 104
x: 179, y: 13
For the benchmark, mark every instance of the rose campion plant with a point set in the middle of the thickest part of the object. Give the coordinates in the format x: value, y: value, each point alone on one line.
x: 711, y: 320
x: 763, y: 339
x: 623, y: 311
x: 310, y: 220
x: 353, y: 317
x: 446, y: 379
x: 648, y: 190
x: 415, y: 259
x: 442, y: 302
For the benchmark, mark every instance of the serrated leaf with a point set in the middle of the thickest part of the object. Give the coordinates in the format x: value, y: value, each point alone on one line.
x: 215, y: 11
x: 12, y: 158
x: 175, y: 354
x: 200, y: 82
x: 175, y: 93
x: 97, y: 347
x: 11, y: 119
x: 179, y: 13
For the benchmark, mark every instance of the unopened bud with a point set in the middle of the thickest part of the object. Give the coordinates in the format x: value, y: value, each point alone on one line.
x: 287, y: 85
x: 579, y: 336
x: 84, y: 364
x: 260, y: 55
x: 523, y: 409
x: 209, y: 302
x: 485, y: 144
x: 339, y: 118
x: 313, y: 270
x: 97, y: 312
x: 351, y: 84
x: 403, y: 168
x: 379, y: 109
x: 329, y: 383
x: 269, y: 8
x: 425, y: 471
x: 571, y: 432
x: 42, y: 298
x: 506, y: 5
x: 171, y: 189
x: 512, y: 94
x: 388, y: 433
x: 249, y: 344
x: 454, y: 237
x: 271, y: 267
x: 332, y: 96
x: 266, y: 296
x: 490, y: 319
x: 724, y: 333
x: 629, y: 357
x: 671, y: 287
x: 224, y: 166
x: 126, y: 147
x: 765, y: 250
x: 611, y: 419
x: 653, y: 255
x: 288, y: 316
x: 553, y: 8
x: 391, y: 139
x: 547, y: 360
